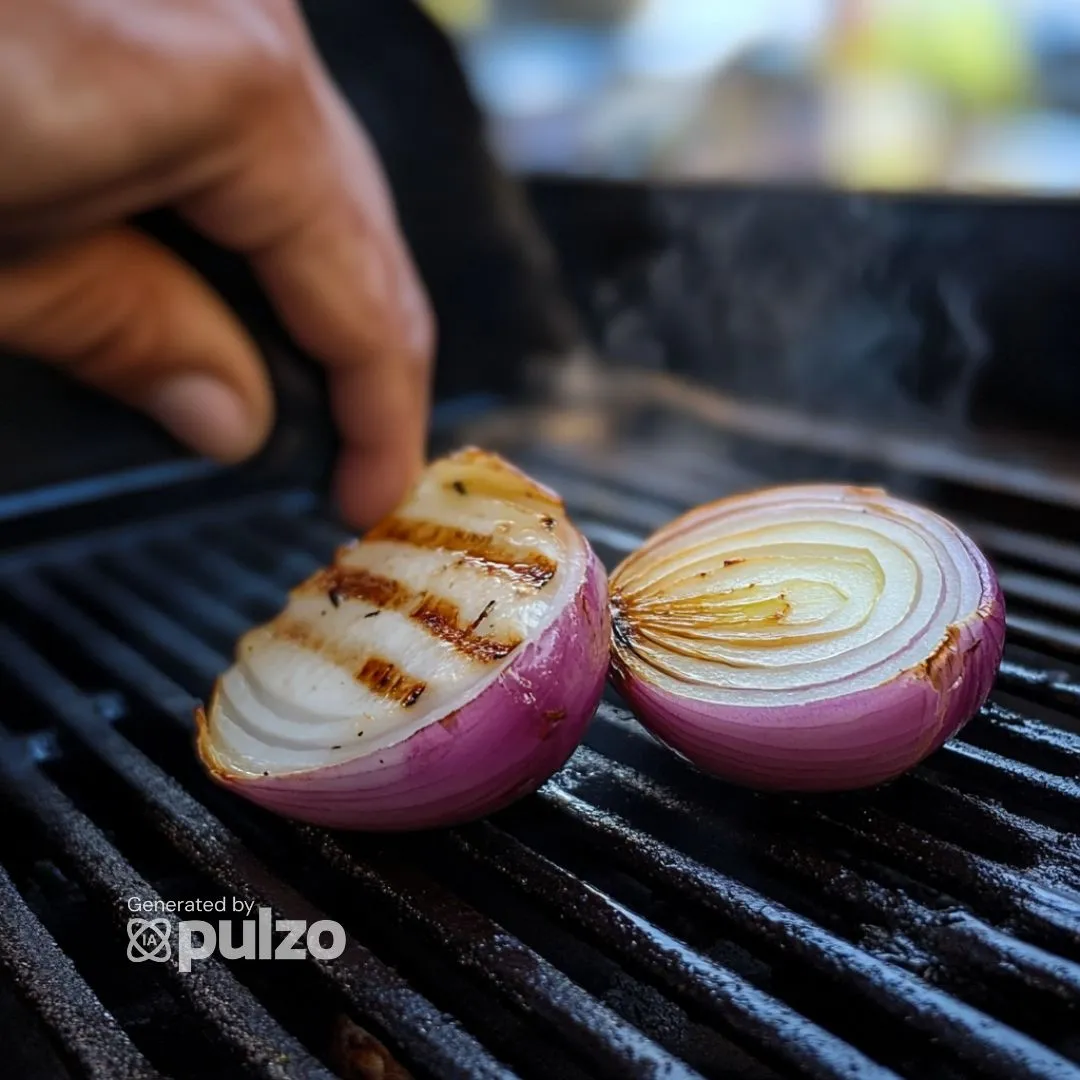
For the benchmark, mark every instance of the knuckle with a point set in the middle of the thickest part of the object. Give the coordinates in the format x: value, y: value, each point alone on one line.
x: 266, y: 63
x: 124, y: 337
x: 114, y: 308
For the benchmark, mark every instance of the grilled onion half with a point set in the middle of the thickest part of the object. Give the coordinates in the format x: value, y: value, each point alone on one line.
x: 806, y: 638
x: 444, y: 665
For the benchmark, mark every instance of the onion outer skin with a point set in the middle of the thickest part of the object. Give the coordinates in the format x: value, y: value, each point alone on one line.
x: 848, y: 741
x: 502, y: 745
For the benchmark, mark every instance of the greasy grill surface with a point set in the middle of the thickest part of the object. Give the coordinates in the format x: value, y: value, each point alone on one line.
x: 634, y: 919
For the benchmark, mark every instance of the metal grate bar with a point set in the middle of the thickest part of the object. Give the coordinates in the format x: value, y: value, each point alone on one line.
x: 679, y: 477
x: 1009, y: 774
x: 145, y: 620
x: 1035, y: 909
x: 966, y: 1032
x: 956, y: 815
x: 1055, y: 750
x: 369, y: 986
x: 795, y: 818
x: 964, y: 940
x: 217, y: 569
x: 284, y: 566
x: 930, y: 779
x: 1024, y: 732
x: 46, y: 977
x: 1053, y: 639
x: 1051, y: 687
x: 105, y: 648
x: 938, y: 459
x: 1040, y: 910
x: 980, y: 762
x: 321, y: 537
x: 499, y: 960
x: 238, y: 1019
x: 1043, y: 592
x: 135, y: 570
x: 286, y: 503
x: 774, y: 1030
x: 1031, y: 548
x: 982, y: 825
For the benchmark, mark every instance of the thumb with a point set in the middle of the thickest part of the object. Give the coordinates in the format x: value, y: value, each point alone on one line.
x: 119, y: 312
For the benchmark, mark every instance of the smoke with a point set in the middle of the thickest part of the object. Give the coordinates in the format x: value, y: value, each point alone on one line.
x: 842, y: 306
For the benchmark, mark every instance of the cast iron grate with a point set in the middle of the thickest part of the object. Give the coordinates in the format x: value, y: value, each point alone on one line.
x: 634, y: 919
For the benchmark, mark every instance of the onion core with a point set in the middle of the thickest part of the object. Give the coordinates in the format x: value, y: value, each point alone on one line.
x: 806, y: 638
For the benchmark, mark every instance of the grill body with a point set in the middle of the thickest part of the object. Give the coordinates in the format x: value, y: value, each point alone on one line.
x: 632, y: 919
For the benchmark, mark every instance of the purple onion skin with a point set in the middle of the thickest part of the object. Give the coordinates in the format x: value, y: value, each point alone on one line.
x: 496, y: 749
x: 855, y: 741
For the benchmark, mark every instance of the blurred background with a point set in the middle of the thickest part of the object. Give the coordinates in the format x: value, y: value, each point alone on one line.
x: 857, y: 210
x: 894, y: 95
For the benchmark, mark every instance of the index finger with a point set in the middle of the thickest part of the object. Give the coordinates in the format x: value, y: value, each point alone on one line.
x: 305, y: 199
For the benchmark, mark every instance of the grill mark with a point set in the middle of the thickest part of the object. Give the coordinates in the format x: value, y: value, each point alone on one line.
x: 486, y: 552
x: 385, y: 678
x: 381, y: 676
x: 350, y: 584
x: 441, y: 618
x: 307, y: 637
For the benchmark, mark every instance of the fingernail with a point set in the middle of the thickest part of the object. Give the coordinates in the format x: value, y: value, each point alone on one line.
x: 206, y: 414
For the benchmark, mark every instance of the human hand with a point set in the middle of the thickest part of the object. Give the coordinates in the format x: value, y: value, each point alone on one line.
x: 223, y: 113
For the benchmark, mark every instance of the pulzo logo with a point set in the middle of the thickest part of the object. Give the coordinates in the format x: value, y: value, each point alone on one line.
x: 197, y: 939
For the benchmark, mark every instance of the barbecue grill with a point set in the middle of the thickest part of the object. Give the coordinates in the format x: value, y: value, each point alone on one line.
x: 634, y: 919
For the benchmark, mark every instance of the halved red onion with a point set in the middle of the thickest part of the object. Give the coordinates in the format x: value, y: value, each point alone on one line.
x: 806, y: 638
x: 445, y: 665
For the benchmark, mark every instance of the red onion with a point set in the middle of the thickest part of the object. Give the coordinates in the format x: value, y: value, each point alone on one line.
x: 471, y: 687
x: 806, y: 638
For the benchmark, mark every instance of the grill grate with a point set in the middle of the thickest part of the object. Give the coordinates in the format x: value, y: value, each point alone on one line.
x: 633, y: 919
